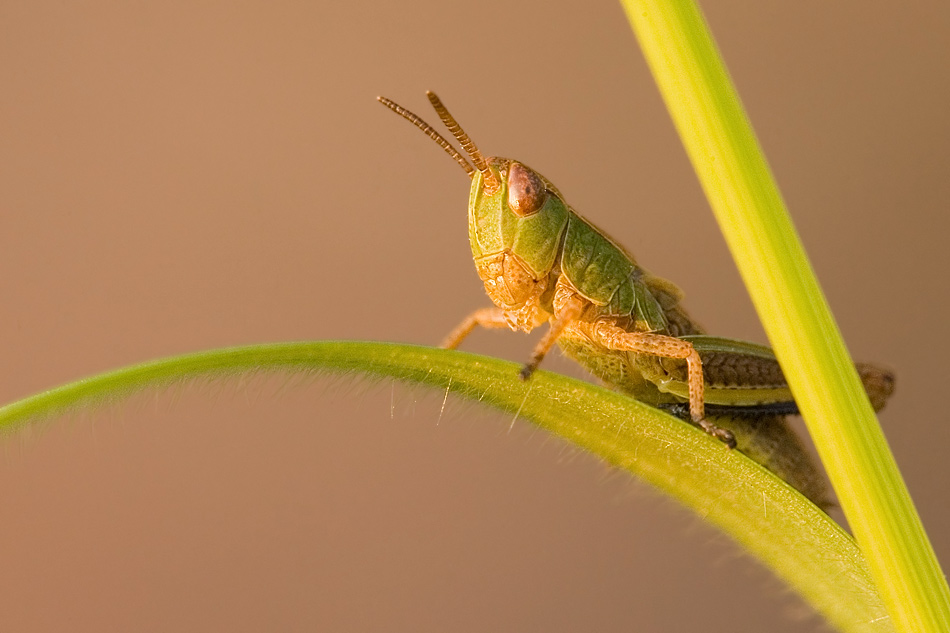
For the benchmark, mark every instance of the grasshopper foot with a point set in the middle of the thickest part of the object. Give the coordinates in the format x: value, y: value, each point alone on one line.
x: 681, y: 410
x: 526, y: 371
x: 723, y: 435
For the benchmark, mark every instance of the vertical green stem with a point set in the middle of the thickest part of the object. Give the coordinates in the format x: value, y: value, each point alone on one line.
x: 736, y: 178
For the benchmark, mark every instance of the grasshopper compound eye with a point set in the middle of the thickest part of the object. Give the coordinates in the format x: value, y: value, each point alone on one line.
x: 526, y: 190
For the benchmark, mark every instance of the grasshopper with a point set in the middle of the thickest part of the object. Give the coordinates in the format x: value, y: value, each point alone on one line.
x: 543, y: 263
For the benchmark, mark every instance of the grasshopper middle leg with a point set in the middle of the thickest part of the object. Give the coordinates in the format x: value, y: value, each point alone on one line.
x: 567, y: 314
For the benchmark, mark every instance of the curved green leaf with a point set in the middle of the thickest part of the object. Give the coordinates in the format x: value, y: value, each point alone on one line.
x: 775, y: 523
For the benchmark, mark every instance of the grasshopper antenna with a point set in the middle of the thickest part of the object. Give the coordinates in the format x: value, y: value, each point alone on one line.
x: 463, y: 139
x: 430, y: 132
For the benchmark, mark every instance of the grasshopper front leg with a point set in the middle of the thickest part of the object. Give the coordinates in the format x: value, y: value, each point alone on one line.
x: 496, y: 318
x: 526, y: 318
x: 616, y: 338
x: 490, y: 318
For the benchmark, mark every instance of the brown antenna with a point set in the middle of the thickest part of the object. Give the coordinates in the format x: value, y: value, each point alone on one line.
x: 430, y: 132
x: 463, y: 140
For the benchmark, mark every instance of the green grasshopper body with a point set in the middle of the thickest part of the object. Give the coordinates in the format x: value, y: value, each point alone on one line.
x: 541, y: 262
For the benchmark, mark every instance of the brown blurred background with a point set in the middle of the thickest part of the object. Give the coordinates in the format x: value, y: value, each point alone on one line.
x: 181, y: 176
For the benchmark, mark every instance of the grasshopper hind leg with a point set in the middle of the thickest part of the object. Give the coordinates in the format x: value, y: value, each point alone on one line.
x: 616, y: 338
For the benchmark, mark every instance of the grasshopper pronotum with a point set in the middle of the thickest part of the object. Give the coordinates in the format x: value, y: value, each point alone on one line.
x: 541, y: 262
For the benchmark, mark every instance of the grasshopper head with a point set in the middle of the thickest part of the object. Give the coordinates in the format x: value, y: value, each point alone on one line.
x: 515, y: 229
x: 516, y: 217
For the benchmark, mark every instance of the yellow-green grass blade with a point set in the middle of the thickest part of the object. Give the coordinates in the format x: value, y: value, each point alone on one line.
x: 736, y: 178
